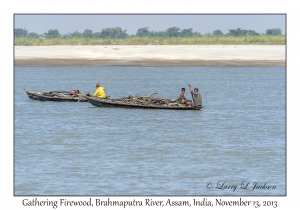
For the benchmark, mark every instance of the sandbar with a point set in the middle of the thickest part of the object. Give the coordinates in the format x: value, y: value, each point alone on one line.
x: 151, y: 55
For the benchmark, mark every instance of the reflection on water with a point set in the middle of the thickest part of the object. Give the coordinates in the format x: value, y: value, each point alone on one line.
x: 78, y: 149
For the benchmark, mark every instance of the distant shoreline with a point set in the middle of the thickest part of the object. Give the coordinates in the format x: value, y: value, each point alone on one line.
x: 85, y: 62
x: 148, y: 55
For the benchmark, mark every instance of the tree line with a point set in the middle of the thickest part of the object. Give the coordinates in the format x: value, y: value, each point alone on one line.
x: 119, y: 33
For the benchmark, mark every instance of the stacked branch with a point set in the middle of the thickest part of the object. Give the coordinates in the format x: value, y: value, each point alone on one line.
x: 63, y: 94
x: 145, y: 101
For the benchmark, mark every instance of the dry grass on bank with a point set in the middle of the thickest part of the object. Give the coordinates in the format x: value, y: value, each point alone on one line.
x: 250, y: 40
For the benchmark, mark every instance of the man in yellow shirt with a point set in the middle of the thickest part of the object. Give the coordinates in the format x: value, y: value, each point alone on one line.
x: 100, y: 91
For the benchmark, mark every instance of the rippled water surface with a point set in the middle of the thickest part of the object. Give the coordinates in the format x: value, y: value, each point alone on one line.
x: 65, y: 148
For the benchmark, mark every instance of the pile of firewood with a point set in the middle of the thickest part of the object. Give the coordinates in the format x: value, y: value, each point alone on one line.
x: 145, y: 101
x: 55, y: 94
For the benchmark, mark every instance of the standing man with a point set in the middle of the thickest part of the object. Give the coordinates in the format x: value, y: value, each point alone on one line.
x: 197, y: 98
x: 100, y: 91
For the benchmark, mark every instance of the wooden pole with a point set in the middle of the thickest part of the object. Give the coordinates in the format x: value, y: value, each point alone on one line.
x: 107, y: 82
x: 192, y: 94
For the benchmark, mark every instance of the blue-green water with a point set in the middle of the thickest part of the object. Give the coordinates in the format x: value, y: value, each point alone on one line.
x: 78, y: 149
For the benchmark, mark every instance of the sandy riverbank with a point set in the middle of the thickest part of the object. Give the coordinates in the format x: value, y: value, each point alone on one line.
x: 152, y: 55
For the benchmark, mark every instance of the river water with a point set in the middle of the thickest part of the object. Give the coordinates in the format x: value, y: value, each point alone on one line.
x: 237, y: 141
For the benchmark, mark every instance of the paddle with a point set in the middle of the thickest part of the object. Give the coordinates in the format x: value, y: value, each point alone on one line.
x: 107, y: 82
x: 191, y: 93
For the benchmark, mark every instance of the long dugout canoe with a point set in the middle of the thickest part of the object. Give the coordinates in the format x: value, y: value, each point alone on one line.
x: 98, y: 102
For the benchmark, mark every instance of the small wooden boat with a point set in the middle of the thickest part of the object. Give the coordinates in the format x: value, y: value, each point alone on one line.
x: 60, y: 96
x: 107, y: 102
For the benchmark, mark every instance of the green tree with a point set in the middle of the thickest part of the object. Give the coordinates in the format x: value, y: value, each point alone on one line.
x: 160, y: 34
x: 97, y: 35
x: 274, y: 32
x: 196, y: 34
x: 113, y: 33
x: 251, y: 33
x: 52, y: 34
x: 173, y: 32
x: 33, y: 35
x: 186, y: 32
x: 239, y: 32
x: 21, y: 32
x: 142, y: 32
x: 88, y: 33
x: 76, y: 34
x: 218, y: 33
x: 234, y: 32
x: 207, y: 35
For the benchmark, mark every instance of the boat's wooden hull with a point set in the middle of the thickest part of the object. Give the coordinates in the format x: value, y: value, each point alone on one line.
x: 104, y: 103
x: 40, y: 97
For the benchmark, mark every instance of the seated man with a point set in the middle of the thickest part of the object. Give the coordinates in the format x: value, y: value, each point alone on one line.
x: 181, y: 99
x: 100, y: 91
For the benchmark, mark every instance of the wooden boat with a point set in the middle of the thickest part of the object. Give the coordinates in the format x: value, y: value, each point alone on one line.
x: 107, y: 102
x: 60, y: 96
